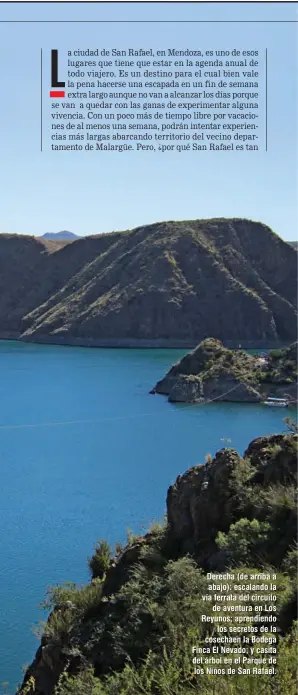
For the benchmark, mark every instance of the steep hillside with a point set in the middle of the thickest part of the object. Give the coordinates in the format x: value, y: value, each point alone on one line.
x: 133, y: 628
x: 170, y: 281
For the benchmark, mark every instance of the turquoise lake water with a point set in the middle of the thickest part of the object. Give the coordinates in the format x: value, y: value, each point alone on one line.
x: 87, y: 453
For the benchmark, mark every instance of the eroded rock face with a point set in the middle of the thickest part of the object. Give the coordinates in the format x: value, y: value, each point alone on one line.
x: 228, y: 388
x: 225, y: 388
x: 119, y: 570
x: 280, y: 468
x: 45, y: 671
x: 200, y: 503
x: 186, y: 389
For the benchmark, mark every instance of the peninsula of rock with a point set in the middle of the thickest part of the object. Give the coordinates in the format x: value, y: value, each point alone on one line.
x: 212, y: 372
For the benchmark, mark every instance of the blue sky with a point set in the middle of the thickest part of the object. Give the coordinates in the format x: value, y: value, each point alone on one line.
x: 88, y: 194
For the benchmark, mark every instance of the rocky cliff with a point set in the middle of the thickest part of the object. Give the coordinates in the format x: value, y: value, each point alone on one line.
x: 170, y: 283
x: 213, y: 372
x: 130, y: 629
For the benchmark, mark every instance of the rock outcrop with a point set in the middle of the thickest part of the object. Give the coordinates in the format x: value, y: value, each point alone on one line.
x: 206, y: 499
x: 165, y: 284
x: 212, y: 372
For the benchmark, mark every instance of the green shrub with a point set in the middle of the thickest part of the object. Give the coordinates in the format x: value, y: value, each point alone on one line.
x: 245, y: 541
x: 274, y: 450
x: 119, y: 547
x: 60, y: 626
x: 101, y: 559
x: 158, y: 527
x: 290, y: 563
x: 131, y: 538
x: 279, y: 507
x: 285, y: 681
x: 84, y: 683
x: 169, y: 671
x: 85, y: 599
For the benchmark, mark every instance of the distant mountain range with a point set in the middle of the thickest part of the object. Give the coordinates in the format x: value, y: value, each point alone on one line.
x: 59, y: 235
x: 294, y: 244
x: 169, y: 283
